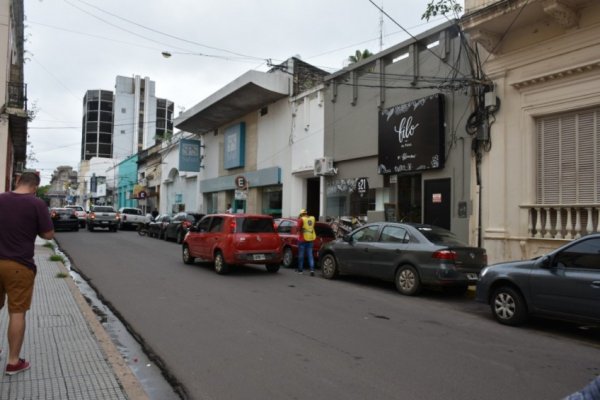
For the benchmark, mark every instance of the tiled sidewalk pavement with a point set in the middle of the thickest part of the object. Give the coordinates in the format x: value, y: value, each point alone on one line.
x: 71, y: 355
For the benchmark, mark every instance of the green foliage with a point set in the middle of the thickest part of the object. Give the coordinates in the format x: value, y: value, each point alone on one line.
x: 61, y: 275
x: 42, y: 193
x: 359, y: 56
x: 49, y: 245
x: 56, y: 257
x: 441, y: 7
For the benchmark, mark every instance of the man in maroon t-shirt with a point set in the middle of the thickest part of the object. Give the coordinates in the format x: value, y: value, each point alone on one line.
x: 22, y: 217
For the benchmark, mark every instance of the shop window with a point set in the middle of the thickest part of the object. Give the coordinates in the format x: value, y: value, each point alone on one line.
x: 359, y: 205
x: 272, y: 202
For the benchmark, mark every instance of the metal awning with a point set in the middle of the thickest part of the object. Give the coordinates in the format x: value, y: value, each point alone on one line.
x: 250, y: 92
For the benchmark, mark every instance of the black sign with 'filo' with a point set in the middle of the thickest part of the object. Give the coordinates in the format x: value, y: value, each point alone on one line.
x: 411, y: 136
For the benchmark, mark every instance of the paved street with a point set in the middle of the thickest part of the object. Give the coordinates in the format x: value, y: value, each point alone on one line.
x: 251, y: 334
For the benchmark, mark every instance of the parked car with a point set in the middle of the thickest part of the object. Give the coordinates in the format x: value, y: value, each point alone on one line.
x: 131, y: 217
x: 410, y: 255
x: 563, y: 284
x: 80, y: 213
x: 103, y: 217
x: 64, y: 219
x: 180, y: 224
x: 287, y: 228
x: 233, y: 239
x: 156, y: 228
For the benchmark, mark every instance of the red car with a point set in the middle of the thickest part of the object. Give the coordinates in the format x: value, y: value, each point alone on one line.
x: 287, y: 228
x: 233, y: 239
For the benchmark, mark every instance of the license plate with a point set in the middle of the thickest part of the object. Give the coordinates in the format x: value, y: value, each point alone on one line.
x: 259, y: 257
x: 472, y: 277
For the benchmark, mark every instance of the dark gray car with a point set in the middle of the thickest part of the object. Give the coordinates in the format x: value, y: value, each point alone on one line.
x: 564, y: 284
x: 410, y: 255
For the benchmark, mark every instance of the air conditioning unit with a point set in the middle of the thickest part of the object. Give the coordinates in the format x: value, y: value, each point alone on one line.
x: 324, y: 166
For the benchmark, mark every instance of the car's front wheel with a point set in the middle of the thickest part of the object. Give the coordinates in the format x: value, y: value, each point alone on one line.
x: 186, y: 255
x: 329, y: 267
x: 221, y: 267
x: 288, y: 258
x: 407, y: 280
x: 508, y: 306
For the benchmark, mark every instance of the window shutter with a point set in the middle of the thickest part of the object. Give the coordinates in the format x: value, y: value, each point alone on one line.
x: 568, y: 148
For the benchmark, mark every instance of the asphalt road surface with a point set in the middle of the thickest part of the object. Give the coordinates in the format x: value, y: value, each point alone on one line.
x: 256, y: 335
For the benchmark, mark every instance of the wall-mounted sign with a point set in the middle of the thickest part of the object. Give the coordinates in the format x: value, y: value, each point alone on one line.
x: 189, y: 155
x: 436, y: 198
x: 241, y: 194
x: 411, y: 136
x: 234, y: 146
x: 241, y: 182
x: 362, y: 186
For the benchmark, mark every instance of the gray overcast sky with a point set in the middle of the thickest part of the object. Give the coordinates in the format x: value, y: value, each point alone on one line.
x: 75, y: 45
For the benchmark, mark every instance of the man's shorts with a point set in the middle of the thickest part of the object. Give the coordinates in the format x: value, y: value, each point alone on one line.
x: 16, y: 282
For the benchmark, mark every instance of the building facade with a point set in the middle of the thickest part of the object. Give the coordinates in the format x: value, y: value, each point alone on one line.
x: 63, y: 186
x: 13, y: 113
x: 97, y: 125
x: 396, y: 147
x: 259, y: 137
x: 543, y: 171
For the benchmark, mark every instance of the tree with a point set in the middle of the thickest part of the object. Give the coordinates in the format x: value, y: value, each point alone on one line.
x: 359, y: 56
x: 441, y: 7
x: 42, y: 193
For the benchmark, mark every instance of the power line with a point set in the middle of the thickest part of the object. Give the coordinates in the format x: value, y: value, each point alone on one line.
x: 169, y: 35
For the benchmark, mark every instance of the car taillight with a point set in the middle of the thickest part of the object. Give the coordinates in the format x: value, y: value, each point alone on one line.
x: 186, y: 224
x: 448, y: 255
x: 118, y: 216
x: 232, y: 226
x: 485, y: 259
x: 53, y: 214
x: 92, y: 215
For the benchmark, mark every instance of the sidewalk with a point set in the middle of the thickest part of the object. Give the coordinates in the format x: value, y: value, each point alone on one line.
x: 71, y: 355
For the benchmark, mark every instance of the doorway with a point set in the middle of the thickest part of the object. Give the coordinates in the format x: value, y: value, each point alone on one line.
x: 438, y: 202
x: 313, y: 190
x: 409, y: 198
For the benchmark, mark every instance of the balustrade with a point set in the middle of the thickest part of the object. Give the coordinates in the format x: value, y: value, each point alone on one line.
x: 562, y: 221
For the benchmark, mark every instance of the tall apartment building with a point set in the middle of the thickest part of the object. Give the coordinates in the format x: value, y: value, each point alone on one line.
x: 141, y: 119
x: 122, y: 123
x: 97, y: 125
x: 13, y: 94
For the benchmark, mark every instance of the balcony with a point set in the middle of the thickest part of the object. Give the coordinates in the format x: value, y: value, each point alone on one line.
x: 16, y: 96
x: 562, y: 221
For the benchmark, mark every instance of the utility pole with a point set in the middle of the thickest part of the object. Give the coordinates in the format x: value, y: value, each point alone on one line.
x: 381, y: 28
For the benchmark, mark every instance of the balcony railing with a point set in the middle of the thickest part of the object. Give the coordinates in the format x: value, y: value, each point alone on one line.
x: 554, y: 221
x: 16, y: 95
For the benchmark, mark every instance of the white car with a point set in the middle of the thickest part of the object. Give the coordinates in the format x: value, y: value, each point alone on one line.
x: 131, y: 217
x: 81, y: 214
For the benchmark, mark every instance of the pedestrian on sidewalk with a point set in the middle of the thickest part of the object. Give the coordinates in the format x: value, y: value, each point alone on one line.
x: 22, y: 217
x: 306, y: 237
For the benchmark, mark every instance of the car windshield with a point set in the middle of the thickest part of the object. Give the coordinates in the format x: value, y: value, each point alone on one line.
x: 132, y: 211
x: 440, y: 236
x: 324, y: 231
x: 103, y: 209
x: 254, y: 225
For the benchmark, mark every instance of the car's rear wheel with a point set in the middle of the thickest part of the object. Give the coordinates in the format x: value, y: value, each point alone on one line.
x: 187, y: 257
x: 288, y: 258
x: 508, y: 306
x: 90, y: 227
x: 407, y: 280
x: 329, y: 267
x: 272, y: 268
x: 221, y: 267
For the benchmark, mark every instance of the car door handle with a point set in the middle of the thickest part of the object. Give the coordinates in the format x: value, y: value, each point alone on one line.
x: 596, y: 284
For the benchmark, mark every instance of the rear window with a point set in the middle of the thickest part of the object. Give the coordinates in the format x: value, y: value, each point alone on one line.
x: 103, y: 209
x: 132, y: 211
x: 254, y: 225
x: 66, y: 211
x: 324, y: 231
x: 440, y: 236
x: 76, y: 208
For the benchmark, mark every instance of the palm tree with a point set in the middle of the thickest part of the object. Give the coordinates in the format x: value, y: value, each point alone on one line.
x: 359, y: 56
